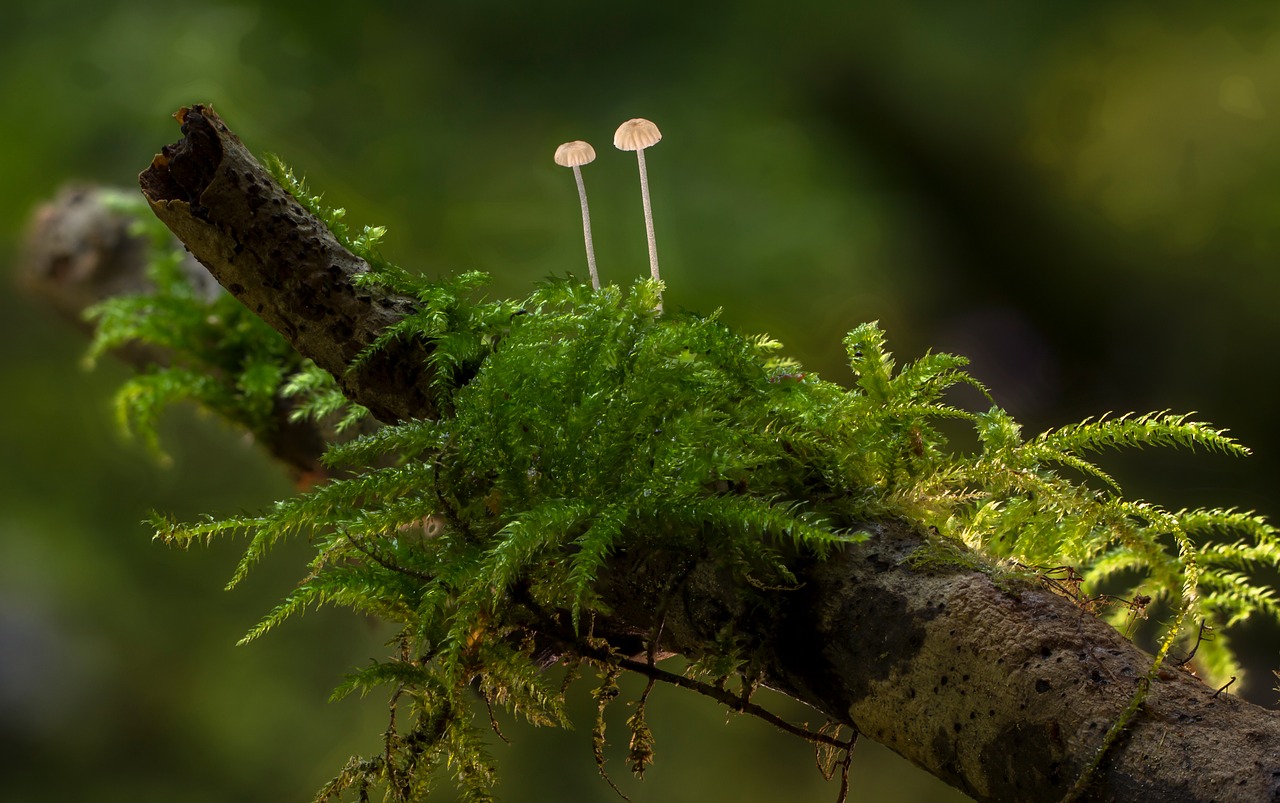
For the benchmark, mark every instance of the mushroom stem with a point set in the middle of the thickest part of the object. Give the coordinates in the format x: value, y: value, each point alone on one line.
x: 636, y: 135
x: 575, y: 154
x: 586, y: 229
x: 648, y: 219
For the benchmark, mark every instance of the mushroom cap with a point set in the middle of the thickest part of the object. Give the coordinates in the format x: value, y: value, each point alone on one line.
x: 635, y: 135
x: 573, y: 154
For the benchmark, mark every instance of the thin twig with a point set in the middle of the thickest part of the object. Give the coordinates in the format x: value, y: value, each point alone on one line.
x: 1205, y: 634
x: 722, y: 696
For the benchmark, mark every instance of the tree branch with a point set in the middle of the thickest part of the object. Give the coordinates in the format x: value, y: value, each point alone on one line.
x: 1005, y: 691
x: 282, y: 263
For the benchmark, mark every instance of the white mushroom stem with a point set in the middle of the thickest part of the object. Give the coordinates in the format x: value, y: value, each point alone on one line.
x: 648, y: 221
x: 586, y: 228
x: 575, y: 154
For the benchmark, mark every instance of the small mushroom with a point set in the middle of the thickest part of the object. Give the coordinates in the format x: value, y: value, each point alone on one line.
x: 636, y: 135
x: 576, y: 154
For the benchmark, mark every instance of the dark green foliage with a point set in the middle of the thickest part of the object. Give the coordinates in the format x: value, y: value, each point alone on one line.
x: 577, y: 423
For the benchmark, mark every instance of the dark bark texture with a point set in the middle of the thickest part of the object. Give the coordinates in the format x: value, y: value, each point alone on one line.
x: 1004, y: 690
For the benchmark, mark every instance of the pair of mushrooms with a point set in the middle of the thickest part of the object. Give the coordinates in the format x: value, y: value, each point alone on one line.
x: 633, y: 135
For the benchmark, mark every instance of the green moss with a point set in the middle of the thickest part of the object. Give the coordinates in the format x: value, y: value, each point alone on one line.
x: 587, y: 423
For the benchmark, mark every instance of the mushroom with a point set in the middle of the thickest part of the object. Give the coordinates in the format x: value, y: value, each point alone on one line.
x: 636, y: 135
x: 575, y: 154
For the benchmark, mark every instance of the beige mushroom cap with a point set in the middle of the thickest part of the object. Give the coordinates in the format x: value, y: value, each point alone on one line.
x: 635, y: 135
x: 574, y: 154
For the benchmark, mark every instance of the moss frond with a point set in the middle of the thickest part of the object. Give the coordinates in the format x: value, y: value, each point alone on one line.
x: 1137, y: 431
x: 318, y: 398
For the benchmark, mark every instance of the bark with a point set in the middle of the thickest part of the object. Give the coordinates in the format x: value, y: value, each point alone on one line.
x: 1003, y: 690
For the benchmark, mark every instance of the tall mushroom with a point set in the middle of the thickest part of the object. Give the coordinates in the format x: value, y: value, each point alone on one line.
x: 636, y: 135
x: 575, y: 154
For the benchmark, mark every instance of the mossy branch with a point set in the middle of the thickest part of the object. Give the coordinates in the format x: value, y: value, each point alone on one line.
x: 572, y: 458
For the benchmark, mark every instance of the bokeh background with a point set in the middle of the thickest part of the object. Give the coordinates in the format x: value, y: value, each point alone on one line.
x: 1083, y: 197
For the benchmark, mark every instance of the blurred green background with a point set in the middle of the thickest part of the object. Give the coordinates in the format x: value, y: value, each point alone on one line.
x: 1083, y: 197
